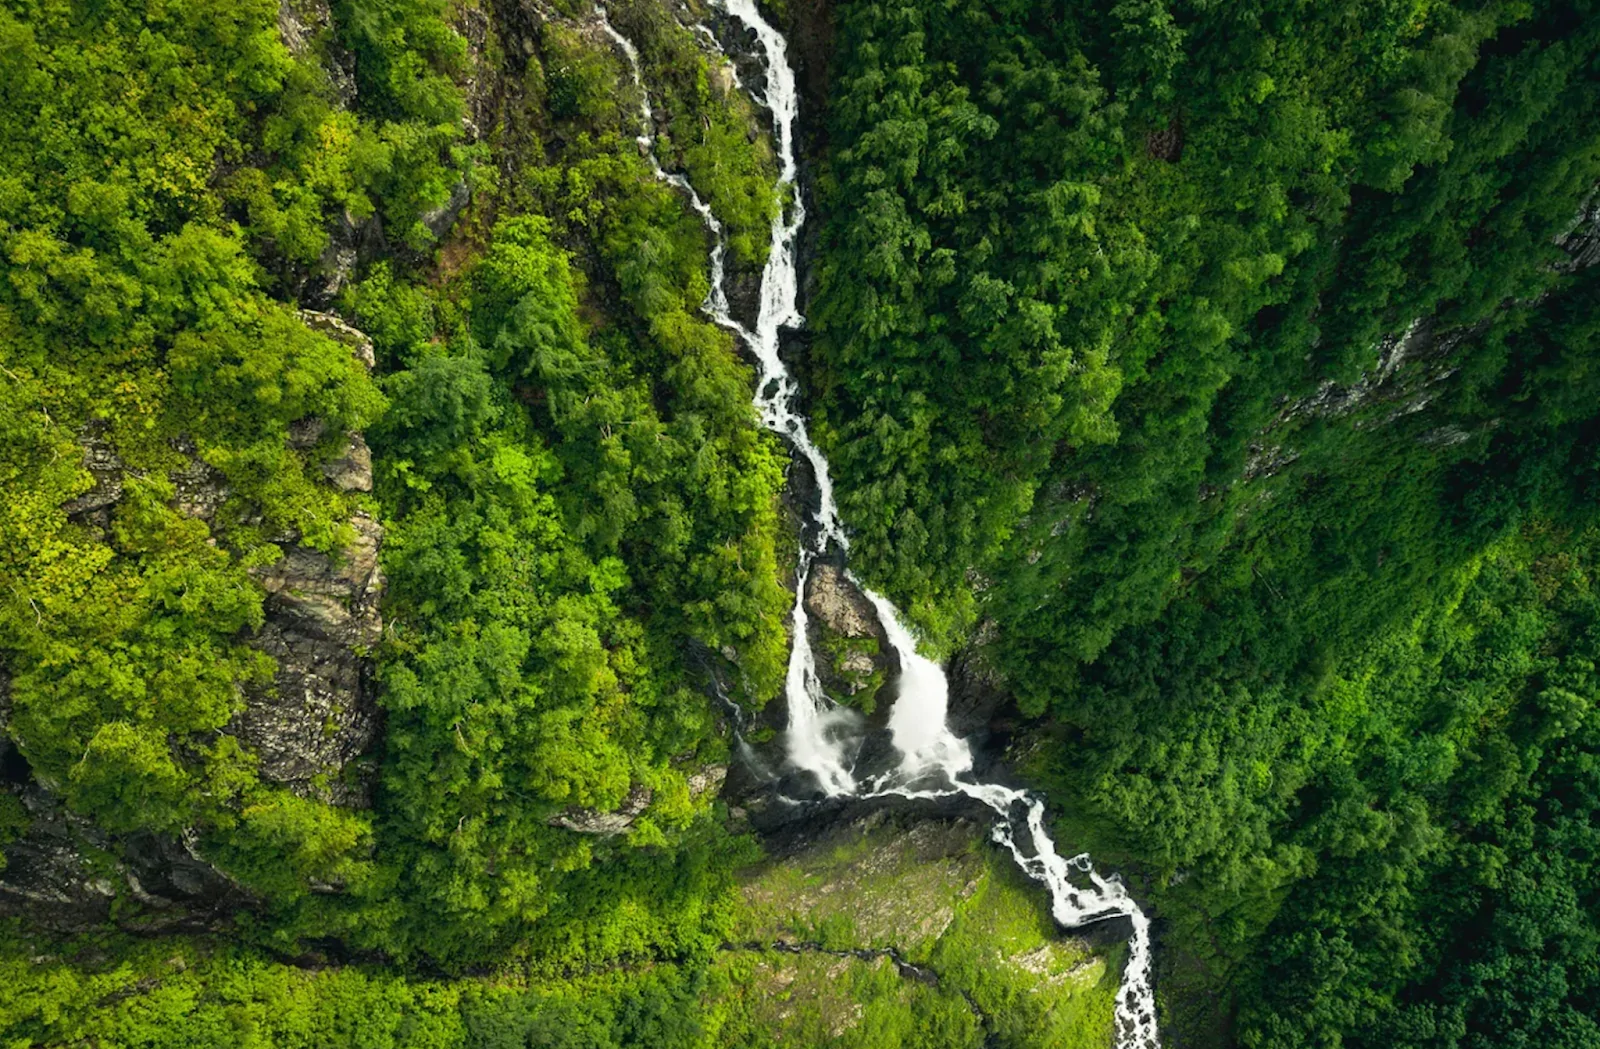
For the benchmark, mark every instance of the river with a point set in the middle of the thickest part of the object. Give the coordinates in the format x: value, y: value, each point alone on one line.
x: 822, y: 737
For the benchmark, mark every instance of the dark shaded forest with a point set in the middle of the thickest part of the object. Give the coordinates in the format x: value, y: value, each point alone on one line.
x: 1230, y: 365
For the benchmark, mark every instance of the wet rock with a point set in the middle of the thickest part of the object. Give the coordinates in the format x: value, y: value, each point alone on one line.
x: 838, y: 604
x: 853, y: 655
x: 978, y: 692
x: 742, y: 285
x: 739, y: 43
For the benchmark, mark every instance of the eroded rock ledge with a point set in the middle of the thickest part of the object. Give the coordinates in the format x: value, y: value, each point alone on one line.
x: 311, y: 727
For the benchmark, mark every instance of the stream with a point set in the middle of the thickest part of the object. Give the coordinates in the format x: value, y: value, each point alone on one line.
x: 823, y: 738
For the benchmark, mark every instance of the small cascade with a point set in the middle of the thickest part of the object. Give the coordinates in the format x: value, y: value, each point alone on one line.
x: 823, y: 737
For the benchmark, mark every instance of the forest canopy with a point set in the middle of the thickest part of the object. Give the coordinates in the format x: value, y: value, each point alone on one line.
x: 1220, y: 365
x: 1216, y: 378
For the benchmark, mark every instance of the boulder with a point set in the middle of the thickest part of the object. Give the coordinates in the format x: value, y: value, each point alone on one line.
x: 440, y: 219
x: 707, y: 780
x: 337, y: 330
x: 351, y: 470
x: 606, y: 824
x: 852, y: 652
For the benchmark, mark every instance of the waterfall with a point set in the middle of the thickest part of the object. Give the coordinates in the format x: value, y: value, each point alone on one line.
x: 821, y: 735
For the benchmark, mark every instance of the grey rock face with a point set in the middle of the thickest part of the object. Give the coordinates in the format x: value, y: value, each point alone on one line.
x: 201, y: 488
x: 440, y: 219
x: 319, y: 715
x: 65, y: 874
x: 100, y: 459
x: 302, y: 25
x: 605, y: 824
x: 853, y: 654
x: 707, y: 780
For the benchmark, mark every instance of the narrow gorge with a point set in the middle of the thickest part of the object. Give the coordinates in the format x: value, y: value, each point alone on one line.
x: 822, y: 737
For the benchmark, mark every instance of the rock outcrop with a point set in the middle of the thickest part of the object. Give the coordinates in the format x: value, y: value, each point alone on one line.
x: 305, y: 27
x: 322, y: 619
x: 707, y: 779
x: 853, y: 654
x: 310, y: 726
x: 63, y: 873
x: 1582, y: 241
x: 68, y: 875
x: 605, y: 824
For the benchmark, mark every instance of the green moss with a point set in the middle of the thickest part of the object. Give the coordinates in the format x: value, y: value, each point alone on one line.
x: 863, y: 686
x: 946, y: 899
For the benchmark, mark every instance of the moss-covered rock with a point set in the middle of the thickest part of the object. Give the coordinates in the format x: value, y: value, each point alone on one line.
x: 933, y: 903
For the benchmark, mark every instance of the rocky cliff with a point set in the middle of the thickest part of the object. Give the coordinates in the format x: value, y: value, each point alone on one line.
x: 311, y: 727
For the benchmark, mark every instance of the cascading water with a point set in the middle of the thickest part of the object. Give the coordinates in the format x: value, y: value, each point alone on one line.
x: 822, y: 735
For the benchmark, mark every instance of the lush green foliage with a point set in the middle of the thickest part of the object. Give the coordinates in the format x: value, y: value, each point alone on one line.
x: 581, y: 514
x: 1112, y: 308
x: 1040, y: 337
x: 584, y: 517
x: 185, y: 994
x: 135, y: 317
x: 1219, y: 356
x: 1453, y: 896
x: 192, y: 994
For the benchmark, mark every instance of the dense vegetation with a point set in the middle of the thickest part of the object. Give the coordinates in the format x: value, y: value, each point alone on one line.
x: 580, y: 511
x: 1218, y: 363
x: 1223, y: 358
x: 1005, y: 975
x: 139, y: 304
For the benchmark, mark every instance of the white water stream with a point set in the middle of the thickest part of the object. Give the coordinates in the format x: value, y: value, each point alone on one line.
x: 822, y: 736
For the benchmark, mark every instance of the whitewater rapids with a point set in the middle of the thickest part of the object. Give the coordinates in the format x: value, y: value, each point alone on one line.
x: 822, y: 736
